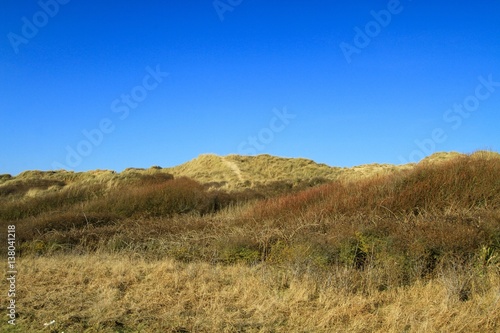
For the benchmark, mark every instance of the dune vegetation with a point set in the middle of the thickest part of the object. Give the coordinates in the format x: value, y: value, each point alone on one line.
x: 258, y: 244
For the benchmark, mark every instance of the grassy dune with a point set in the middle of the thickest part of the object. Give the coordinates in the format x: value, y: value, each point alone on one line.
x: 377, y: 248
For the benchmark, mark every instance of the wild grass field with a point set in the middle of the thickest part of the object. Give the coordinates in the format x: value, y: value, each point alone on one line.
x: 258, y: 244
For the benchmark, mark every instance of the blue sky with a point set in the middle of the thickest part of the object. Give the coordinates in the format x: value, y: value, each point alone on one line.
x: 90, y: 85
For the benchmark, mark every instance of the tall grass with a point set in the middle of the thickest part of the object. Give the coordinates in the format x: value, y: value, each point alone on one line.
x: 463, y: 183
x: 119, y: 293
x: 414, y: 218
x: 346, y: 254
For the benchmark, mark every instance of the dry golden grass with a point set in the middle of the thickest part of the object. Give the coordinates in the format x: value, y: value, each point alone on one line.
x: 230, y: 172
x: 205, y: 169
x: 125, y: 293
x: 235, y: 171
x: 383, y: 249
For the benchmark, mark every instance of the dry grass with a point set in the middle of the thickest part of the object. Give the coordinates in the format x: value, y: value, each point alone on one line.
x: 111, y: 293
x: 234, y: 172
x: 407, y: 250
x: 207, y: 168
x: 231, y: 172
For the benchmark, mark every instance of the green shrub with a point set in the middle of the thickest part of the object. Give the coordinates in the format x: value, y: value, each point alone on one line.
x: 233, y: 254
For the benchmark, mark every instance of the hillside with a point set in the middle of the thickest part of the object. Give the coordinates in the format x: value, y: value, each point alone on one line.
x: 231, y: 172
x: 246, y: 171
x: 234, y: 171
x: 258, y: 244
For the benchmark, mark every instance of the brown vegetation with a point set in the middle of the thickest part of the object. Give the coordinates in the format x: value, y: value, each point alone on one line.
x: 415, y: 249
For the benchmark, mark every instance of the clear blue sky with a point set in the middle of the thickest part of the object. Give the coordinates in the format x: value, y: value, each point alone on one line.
x: 353, y: 82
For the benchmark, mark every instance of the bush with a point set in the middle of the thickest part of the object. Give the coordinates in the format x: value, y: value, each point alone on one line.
x: 18, y: 208
x: 19, y: 188
x: 176, y: 196
x: 465, y: 182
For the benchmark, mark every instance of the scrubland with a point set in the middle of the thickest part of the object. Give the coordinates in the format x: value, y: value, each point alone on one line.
x: 410, y: 249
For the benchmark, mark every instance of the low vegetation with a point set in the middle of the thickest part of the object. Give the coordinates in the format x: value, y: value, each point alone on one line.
x: 402, y: 249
